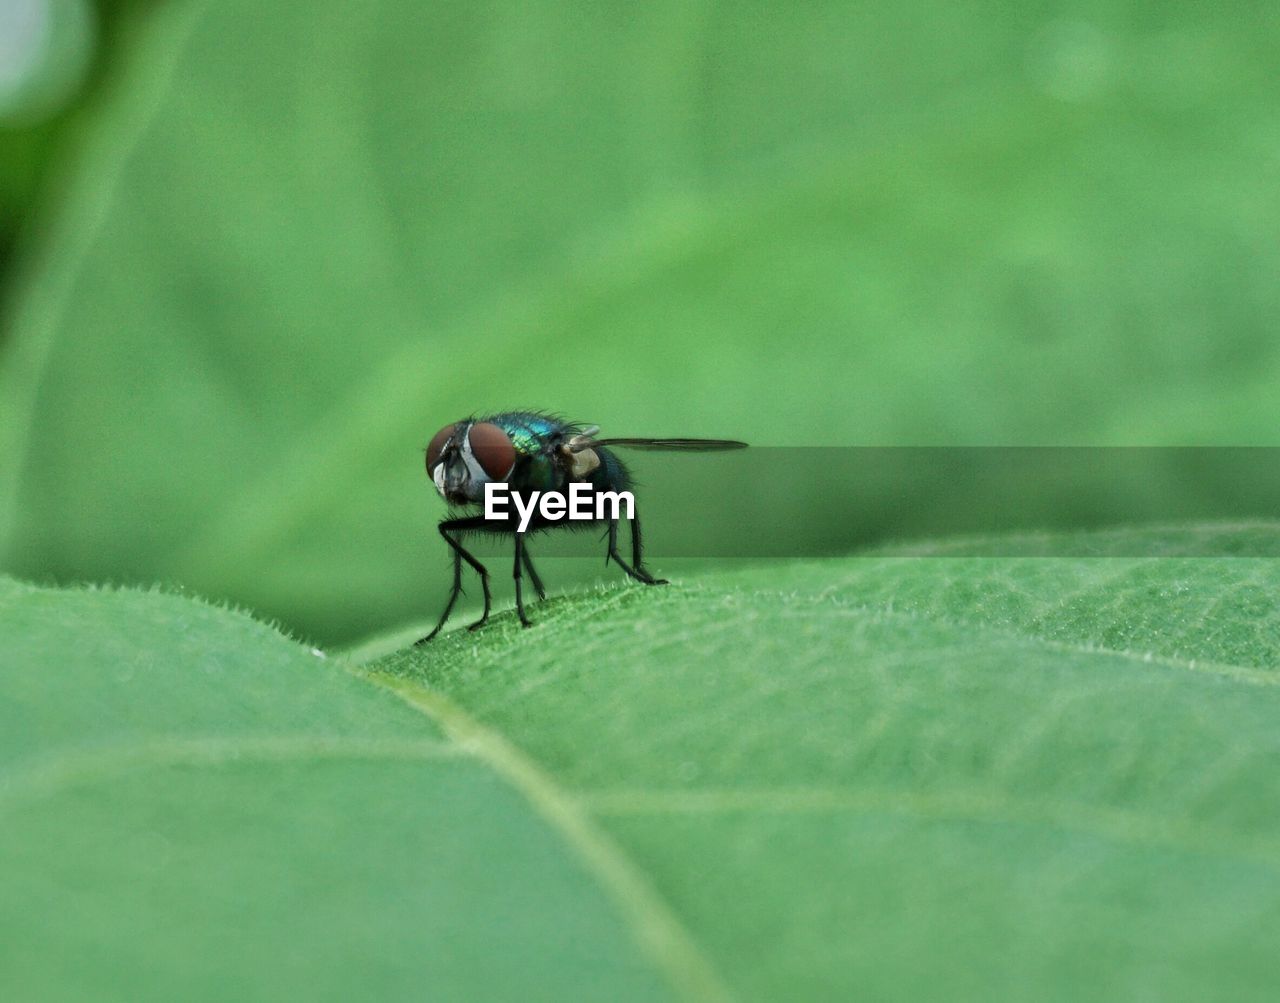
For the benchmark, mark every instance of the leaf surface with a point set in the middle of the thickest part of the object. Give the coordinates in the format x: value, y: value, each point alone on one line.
x: 935, y: 777
x: 941, y: 776
x: 195, y: 807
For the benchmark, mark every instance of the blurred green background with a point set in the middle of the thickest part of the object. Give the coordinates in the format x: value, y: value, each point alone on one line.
x: 56, y: 56
x: 262, y: 252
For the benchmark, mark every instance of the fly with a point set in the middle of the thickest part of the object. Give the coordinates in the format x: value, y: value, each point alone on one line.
x: 534, y: 453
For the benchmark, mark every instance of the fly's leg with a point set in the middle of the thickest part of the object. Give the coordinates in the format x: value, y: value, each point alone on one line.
x: 460, y: 554
x: 637, y: 552
x: 453, y: 597
x: 533, y: 575
x: 638, y: 573
x: 520, y: 559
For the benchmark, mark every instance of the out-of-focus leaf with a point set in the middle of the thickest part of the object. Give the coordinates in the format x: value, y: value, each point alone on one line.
x: 288, y: 261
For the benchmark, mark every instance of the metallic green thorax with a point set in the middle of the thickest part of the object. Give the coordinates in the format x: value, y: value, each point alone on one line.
x: 539, y: 464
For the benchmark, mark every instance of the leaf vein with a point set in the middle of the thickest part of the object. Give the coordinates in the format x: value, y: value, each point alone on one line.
x: 1111, y: 824
x: 47, y: 775
x: 658, y: 931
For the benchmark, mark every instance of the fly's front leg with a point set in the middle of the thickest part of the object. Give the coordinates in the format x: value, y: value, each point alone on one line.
x: 519, y: 561
x: 460, y: 554
x: 453, y: 597
x: 638, y: 573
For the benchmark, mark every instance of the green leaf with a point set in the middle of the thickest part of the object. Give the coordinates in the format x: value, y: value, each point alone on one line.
x: 937, y: 777
x: 946, y: 776
x: 286, y: 262
x: 195, y: 807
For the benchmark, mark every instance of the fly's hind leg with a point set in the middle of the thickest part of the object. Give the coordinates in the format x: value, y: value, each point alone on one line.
x: 637, y: 572
x: 637, y: 552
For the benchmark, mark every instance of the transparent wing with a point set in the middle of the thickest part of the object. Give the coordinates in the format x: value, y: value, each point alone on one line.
x: 586, y: 441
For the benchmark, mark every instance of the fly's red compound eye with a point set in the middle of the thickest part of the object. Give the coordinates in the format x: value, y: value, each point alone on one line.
x: 437, y: 445
x: 492, y: 448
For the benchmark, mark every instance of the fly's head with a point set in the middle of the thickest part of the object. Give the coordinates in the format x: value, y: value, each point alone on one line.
x: 465, y: 456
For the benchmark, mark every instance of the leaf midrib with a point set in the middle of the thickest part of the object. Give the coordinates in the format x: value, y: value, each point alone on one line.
x: 654, y: 927
x: 657, y: 930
